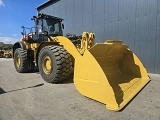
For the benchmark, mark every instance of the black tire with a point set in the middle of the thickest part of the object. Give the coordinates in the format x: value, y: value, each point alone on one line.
x: 20, y: 61
x: 60, y: 64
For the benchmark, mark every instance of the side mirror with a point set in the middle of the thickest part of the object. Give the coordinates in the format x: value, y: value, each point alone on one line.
x: 63, y: 26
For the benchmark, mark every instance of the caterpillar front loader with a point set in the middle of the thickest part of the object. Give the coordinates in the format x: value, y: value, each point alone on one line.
x: 107, y: 72
x: 8, y: 53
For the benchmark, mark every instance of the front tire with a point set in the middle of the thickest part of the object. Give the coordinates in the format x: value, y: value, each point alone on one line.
x: 55, y: 64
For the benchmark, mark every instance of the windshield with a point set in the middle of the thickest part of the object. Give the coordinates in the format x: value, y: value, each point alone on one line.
x: 52, y: 26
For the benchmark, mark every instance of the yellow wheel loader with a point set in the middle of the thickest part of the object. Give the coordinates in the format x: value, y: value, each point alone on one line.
x: 8, y: 53
x: 107, y: 72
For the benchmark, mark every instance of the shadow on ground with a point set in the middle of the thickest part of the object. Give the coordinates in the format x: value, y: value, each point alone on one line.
x: 3, y: 92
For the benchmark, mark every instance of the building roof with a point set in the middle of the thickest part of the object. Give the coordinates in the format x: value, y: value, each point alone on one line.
x: 46, y: 4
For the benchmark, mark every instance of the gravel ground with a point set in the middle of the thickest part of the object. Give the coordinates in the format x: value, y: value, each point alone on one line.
x: 28, y: 97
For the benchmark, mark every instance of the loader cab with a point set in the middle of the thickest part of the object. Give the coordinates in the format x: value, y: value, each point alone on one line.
x: 45, y: 26
x: 48, y: 26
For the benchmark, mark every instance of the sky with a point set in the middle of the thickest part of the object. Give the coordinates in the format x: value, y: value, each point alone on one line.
x: 13, y: 15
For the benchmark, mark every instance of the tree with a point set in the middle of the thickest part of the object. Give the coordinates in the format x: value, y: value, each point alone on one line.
x: 1, y: 45
x: 8, y: 46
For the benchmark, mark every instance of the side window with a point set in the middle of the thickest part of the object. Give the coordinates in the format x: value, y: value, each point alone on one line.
x: 39, y: 26
x: 56, y: 27
x: 45, y: 26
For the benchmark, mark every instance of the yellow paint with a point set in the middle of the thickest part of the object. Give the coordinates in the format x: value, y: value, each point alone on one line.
x: 18, y: 61
x: 109, y: 73
x: 46, y: 64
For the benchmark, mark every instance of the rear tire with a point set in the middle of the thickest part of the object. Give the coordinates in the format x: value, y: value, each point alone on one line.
x: 55, y: 64
x: 20, y: 61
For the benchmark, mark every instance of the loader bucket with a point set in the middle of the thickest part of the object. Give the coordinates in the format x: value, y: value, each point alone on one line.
x: 110, y: 73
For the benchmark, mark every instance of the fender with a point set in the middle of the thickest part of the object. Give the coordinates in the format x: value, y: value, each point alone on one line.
x: 18, y: 45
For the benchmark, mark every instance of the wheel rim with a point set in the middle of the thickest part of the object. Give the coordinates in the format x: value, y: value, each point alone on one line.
x: 18, y: 61
x: 46, y: 64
